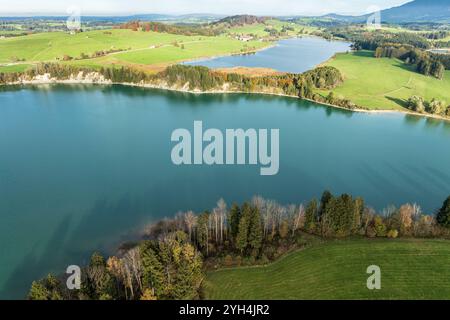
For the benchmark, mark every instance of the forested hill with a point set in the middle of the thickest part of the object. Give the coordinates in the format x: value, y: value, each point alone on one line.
x: 241, y: 20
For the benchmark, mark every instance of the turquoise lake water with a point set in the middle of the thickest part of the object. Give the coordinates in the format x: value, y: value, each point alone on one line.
x: 291, y: 55
x: 82, y: 167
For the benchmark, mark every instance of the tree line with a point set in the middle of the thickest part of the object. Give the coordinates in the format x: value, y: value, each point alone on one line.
x: 407, y: 46
x: 301, y: 85
x: 363, y: 40
x: 196, y: 77
x: 185, y: 30
x: 171, y: 259
x: 426, y: 63
x: 435, y: 106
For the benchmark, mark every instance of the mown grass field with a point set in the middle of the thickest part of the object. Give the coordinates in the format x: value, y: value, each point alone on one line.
x: 138, y: 47
x: 385, y: 83
x: 410, y: 269
x: 51, y: 45
x: 203, y: 47
x: 14, y: 68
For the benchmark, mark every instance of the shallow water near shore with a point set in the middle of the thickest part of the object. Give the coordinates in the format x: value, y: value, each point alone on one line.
x: 81, y: 166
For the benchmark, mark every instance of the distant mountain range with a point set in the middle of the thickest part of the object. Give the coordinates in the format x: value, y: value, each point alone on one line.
x: 200, y: 17
x: 435, y: 11
x: 419, y: 11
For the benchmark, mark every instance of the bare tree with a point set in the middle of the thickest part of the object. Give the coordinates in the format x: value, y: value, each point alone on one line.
x: 299, y: 219
x: 417, y: 211
x: 133, y: 268
x: 259, y: 202
x: 263, y: 206
x: 190, y: 220
x: 268, y: 215
x: 128, y: 278
x: 179, y: 221
x: 279, y: 215
x: 389, y: 211
x: 367, y: 217
x: 222, y: 212
x: 215, y: 216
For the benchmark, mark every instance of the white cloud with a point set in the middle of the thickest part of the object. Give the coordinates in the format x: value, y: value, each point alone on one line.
x: 259, y: 7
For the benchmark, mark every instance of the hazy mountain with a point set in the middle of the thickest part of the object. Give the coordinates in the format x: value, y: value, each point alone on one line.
x: 414, y: 11
x: 437, y: 11
x: 434, y: 11
x: 195, y: 17
x: 419, y: 11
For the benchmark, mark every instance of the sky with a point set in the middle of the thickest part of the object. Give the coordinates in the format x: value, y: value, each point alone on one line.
x: 257, y: 7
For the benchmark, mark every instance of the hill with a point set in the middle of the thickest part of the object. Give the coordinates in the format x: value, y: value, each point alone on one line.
x: 362, y: 73
x: 419, y: 11
x: 432, y: 11
x: 410, y: 269
x: 435, y: 11
x: 241, y: 20
x: 147, y: 50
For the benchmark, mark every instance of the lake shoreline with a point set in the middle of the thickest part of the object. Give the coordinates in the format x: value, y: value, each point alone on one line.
x: 96, y: 81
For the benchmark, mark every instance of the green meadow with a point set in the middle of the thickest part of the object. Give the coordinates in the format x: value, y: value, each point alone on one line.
x: 137, y: 47
x: 410, y: 269
x: 52, y: 45
x: 384, y: 83
x: 14, y: 68
x: 202, y: 47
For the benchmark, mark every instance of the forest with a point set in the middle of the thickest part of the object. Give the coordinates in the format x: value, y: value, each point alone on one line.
x: 171, y: 259
x: 186, y: 30
x: 407, y: 46
x: 420, y: 105
x: 201, y: 78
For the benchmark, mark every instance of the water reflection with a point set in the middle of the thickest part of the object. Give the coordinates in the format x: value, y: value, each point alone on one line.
x: 88, y: 163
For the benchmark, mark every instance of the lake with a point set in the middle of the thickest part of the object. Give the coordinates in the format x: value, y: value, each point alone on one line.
x: 81, y: 166
x: 291, y: 55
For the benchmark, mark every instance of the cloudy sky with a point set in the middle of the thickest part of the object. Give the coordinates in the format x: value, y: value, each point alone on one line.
x: 259, y: 7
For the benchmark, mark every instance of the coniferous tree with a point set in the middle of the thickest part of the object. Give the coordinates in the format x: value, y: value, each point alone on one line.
x: 443, y: 215
x: 311, y: 216
x: 326, y: 197
x: 48, y: 288
x: 203, y: 231
x: 255, y: 233
x: 244, y: 224
x: 153, y: 270
x: 235, y: 215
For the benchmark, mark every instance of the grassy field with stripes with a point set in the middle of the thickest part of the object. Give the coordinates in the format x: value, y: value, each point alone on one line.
x: 410, y: 269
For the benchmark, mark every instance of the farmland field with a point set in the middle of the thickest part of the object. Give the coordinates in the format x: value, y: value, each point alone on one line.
x: 203, y: 47
x: 410, y: 269
x: 137, y: 47
x: 14, y: 68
